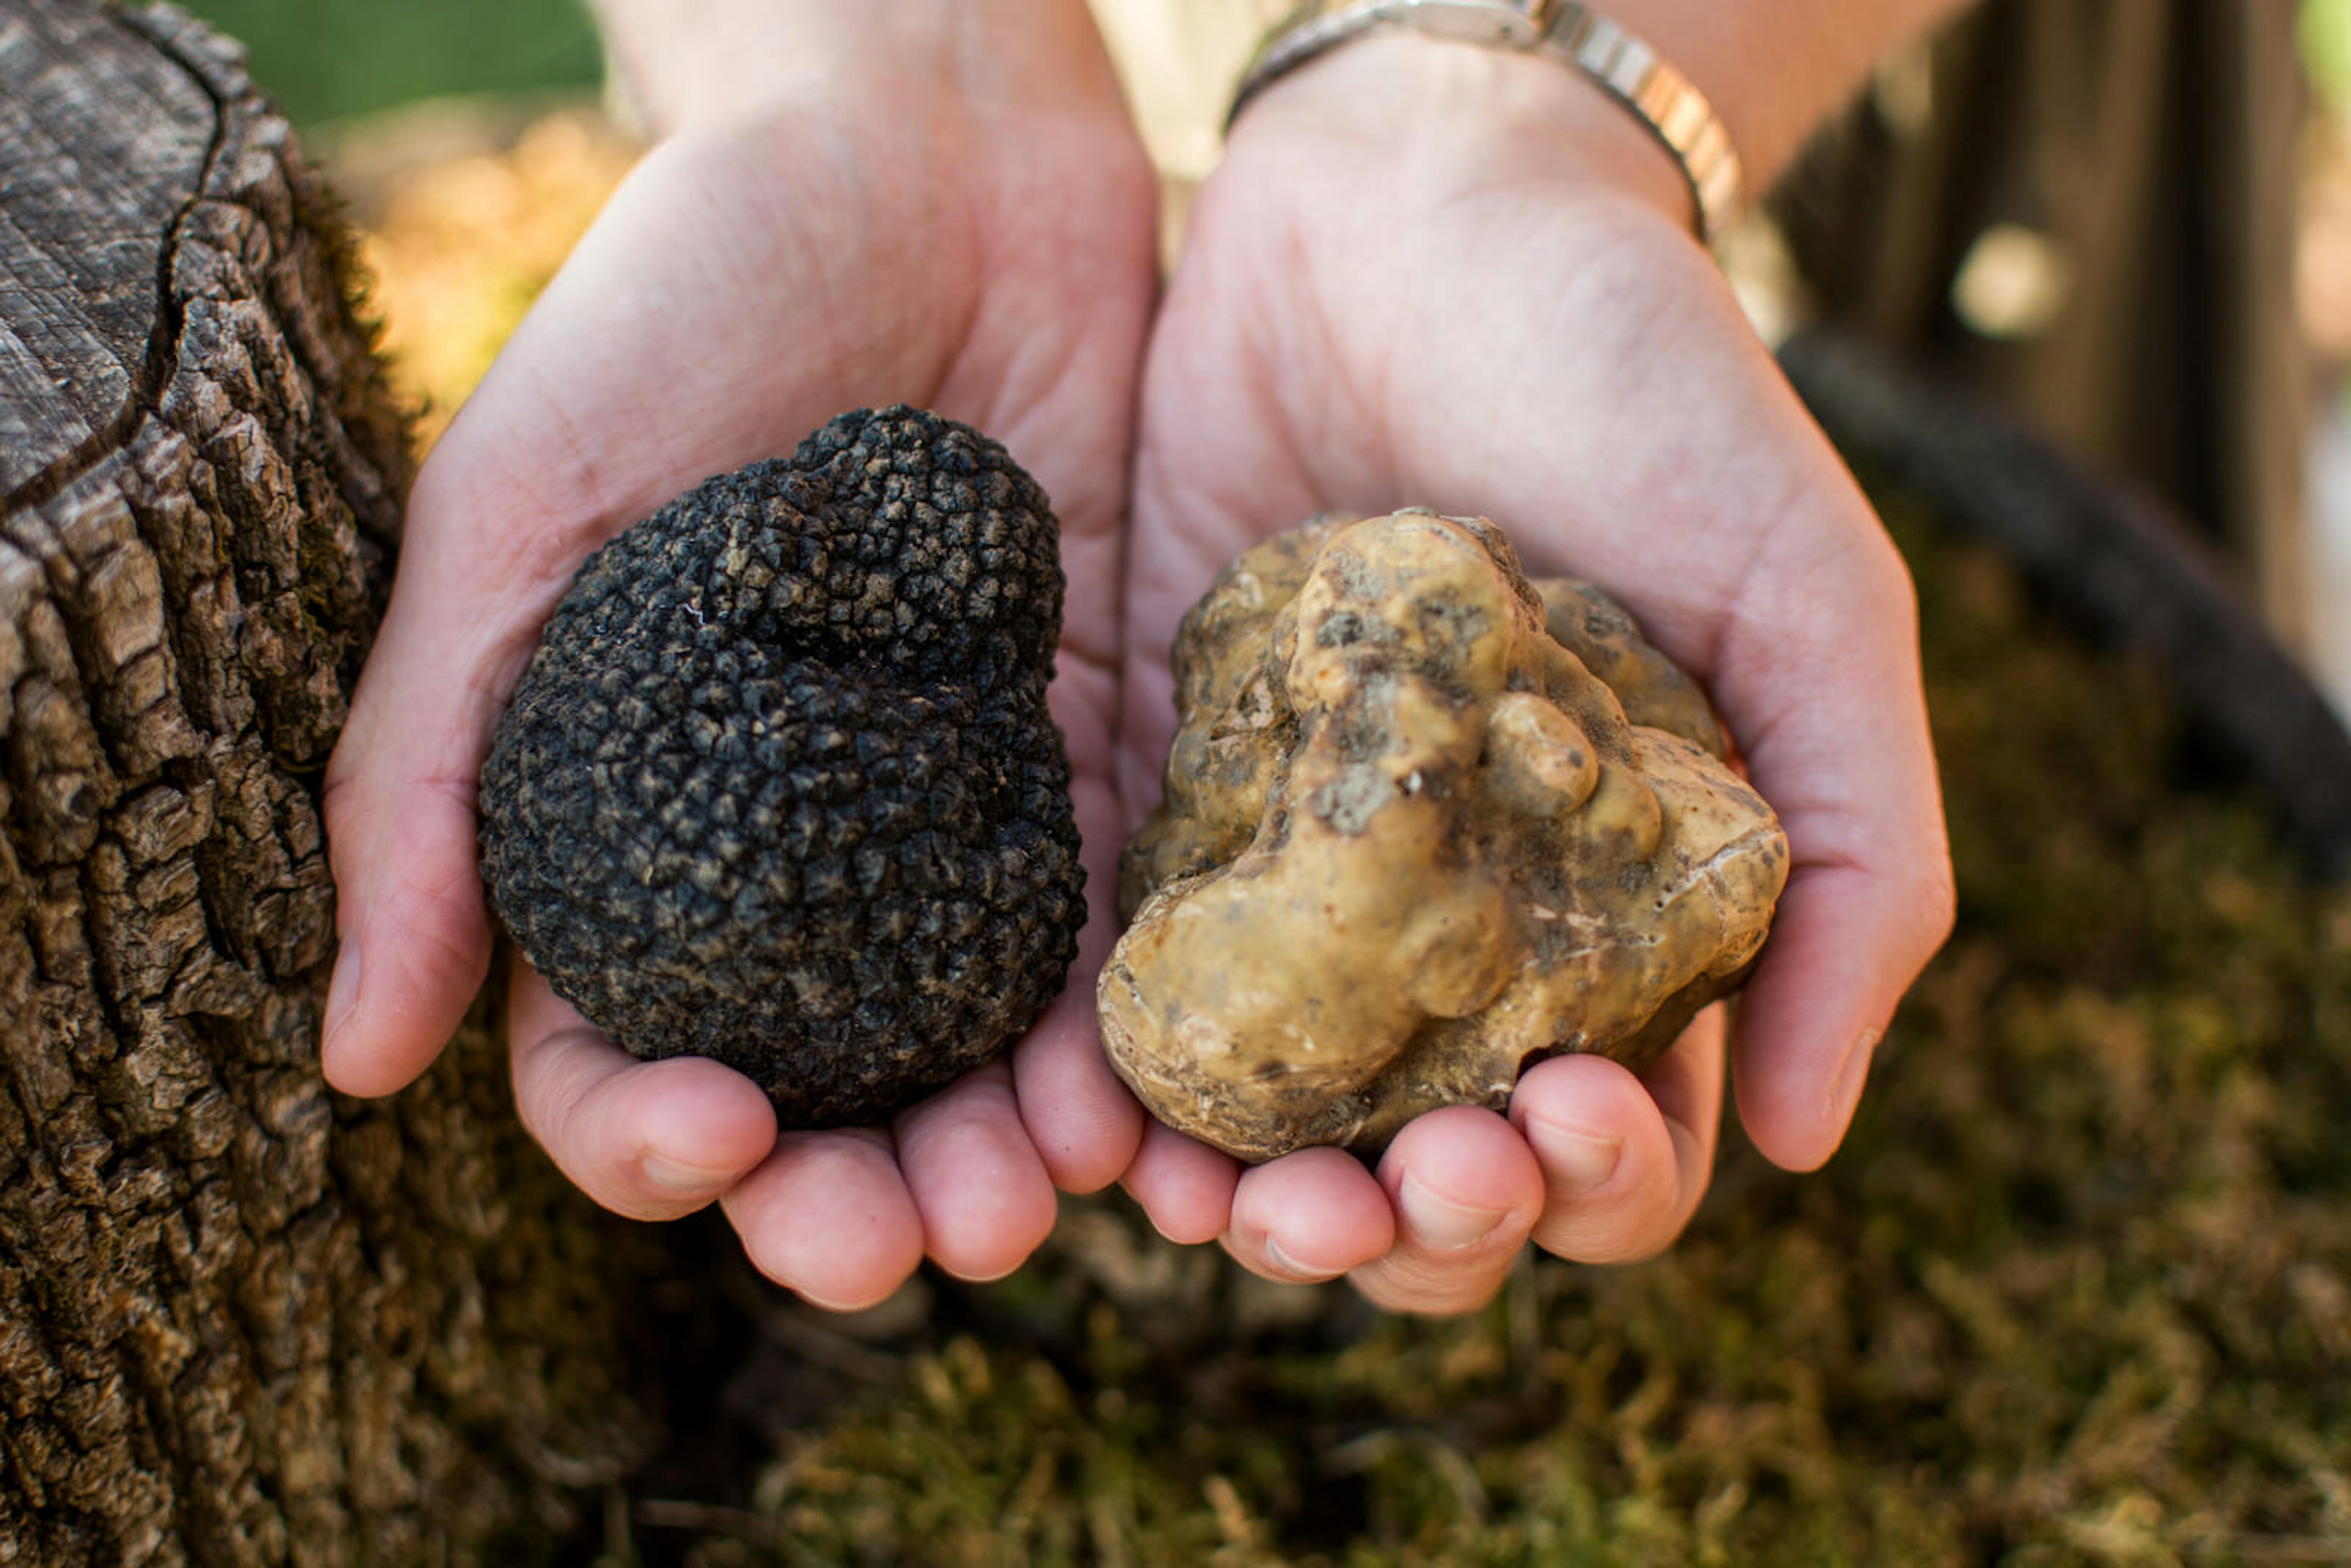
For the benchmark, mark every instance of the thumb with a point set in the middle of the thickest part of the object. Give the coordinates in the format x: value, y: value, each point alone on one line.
x: 465, y: 609
x: 399, y: 807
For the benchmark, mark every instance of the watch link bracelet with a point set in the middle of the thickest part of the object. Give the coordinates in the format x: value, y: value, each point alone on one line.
x: 1620, y: 63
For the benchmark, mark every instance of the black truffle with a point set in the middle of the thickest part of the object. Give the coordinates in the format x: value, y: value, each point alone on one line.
x: 779, y: 787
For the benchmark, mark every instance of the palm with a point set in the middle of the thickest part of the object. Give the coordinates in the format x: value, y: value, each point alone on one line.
x: 1339, y: 352
x: 710, y: 319
x: 738, y: 290
x: 1468, y: 325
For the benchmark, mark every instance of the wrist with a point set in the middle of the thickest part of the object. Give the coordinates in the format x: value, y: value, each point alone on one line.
x: 1769, y: 72
x: 1456, y: 119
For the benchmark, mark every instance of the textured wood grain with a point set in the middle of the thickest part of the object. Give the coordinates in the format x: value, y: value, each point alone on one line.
x: 84, y: 226
x: 241, y: 1320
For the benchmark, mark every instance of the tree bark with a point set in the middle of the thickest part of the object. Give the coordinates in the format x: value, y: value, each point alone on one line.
x: 241, y: 1320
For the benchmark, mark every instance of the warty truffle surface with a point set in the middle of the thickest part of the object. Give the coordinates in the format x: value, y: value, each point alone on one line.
x: 779, y: 786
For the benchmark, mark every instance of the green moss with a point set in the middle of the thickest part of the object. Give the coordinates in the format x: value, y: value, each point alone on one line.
x: 2078, y: 1290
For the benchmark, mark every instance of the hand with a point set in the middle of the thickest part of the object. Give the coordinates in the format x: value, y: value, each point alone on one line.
x: 1430, y: 274
x: 906, y: 224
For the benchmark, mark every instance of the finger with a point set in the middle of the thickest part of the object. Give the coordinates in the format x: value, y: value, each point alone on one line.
x: 1834, y: 725
x: 482, y: 566
x: 982, y: 1194
x: 828, y: 1215
x: 1812, y: 1017
x: 400, y: 787
x: 652, y: 1140
x: 1085, y: 1125
x: 1185, y: 1186
x: 1625, y: 1159
x: 1467, y: 1191
x: 1312, y: 1215
x: 415, y: 937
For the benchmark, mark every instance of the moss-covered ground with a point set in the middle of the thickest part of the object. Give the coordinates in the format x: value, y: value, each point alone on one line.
x: 2078, y: 1288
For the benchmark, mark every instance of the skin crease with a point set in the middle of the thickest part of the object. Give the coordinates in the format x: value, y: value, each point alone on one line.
x: 755, y: 275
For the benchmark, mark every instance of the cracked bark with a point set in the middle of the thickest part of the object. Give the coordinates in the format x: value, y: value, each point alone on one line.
x: 241, y: 1320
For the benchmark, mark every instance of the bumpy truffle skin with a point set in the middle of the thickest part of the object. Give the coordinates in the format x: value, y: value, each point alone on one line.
x: 779, y: 787
x: 1412, y: 840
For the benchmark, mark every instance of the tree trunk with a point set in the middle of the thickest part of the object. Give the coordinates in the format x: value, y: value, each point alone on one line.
x: 241, y: 1320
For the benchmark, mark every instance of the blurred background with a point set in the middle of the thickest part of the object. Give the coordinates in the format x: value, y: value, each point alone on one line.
x: 2078, y: 1287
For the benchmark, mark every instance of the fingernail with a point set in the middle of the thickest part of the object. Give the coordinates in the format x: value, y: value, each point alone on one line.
x: 1576, y: 1161
x: 1441, y: 1223
x: 343, y: 990
x: 682, y: 1180
x: 1845, y: 1089
x: 1289, y: 1265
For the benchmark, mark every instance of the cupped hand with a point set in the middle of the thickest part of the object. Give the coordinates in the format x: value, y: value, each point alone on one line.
x: 1426, y: 274
x: 969, y: 242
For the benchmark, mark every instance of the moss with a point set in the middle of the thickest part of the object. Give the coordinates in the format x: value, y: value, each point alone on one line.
x: 2078, y: 1290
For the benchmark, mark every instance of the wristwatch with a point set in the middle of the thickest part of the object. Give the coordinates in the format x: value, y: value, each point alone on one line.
x: 1618, y: 61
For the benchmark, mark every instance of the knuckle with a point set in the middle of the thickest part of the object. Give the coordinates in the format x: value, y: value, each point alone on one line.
x: 1638, y: 1224
x: 1934, y: 896
x: 1609, y: 1244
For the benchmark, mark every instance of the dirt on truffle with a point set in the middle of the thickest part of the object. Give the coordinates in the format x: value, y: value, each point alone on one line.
x: 779, y: 787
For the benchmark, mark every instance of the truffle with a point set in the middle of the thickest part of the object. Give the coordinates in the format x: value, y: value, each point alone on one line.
x: 1425, y: 822
x: 779, y: 787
